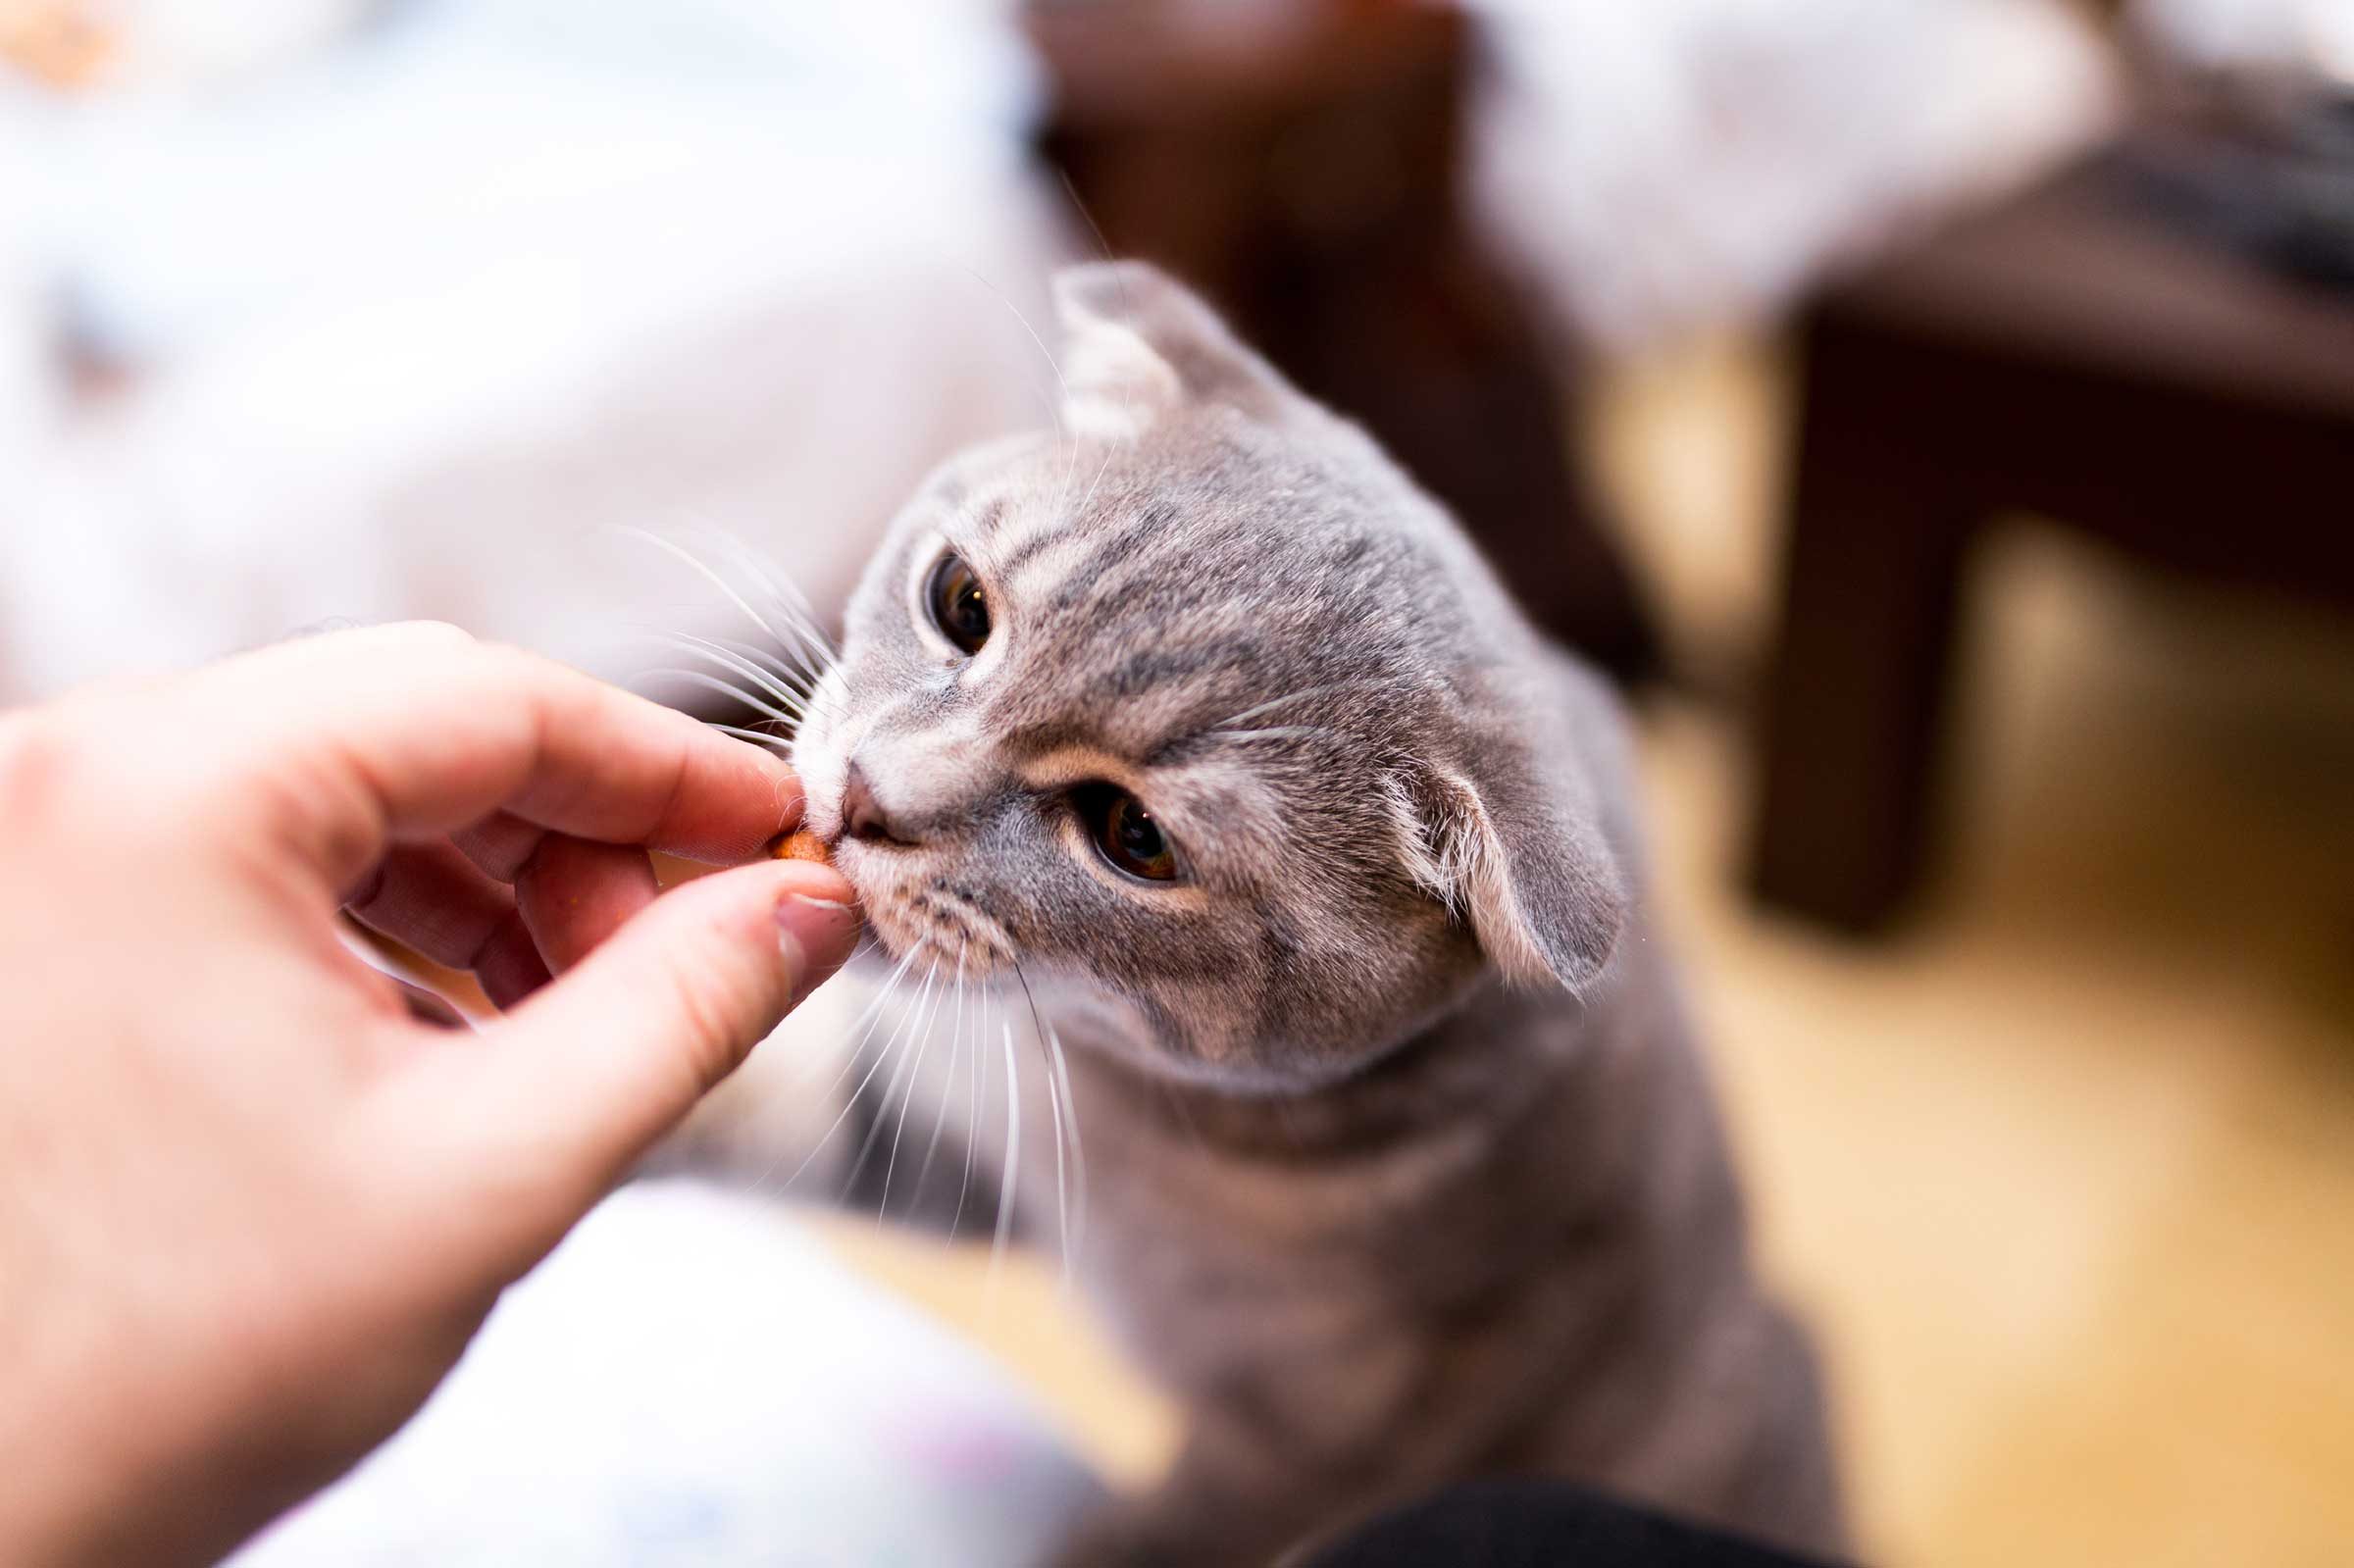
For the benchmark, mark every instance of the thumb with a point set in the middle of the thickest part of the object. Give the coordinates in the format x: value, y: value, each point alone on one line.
x: 601, y: 1063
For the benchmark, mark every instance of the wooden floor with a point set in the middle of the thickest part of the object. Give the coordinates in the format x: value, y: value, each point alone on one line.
x: 2065, y: 1175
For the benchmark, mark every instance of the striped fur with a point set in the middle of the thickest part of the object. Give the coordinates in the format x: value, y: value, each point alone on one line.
x: 1401, y: 1164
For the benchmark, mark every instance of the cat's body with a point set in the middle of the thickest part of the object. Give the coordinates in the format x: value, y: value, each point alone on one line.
x: 1512, y: 1247
x: 1379, y: 1216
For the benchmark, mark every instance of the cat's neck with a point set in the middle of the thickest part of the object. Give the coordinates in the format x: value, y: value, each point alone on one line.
x: 1493, y: 1057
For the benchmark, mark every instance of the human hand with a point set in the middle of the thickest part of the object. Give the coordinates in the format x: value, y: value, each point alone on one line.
x: 251, y: 1210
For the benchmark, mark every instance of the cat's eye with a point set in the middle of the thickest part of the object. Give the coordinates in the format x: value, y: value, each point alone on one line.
x: 1125, y: 834
x: 959, y: 607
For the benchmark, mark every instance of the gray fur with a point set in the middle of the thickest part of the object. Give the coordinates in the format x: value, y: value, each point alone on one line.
x: 1402, y: 1166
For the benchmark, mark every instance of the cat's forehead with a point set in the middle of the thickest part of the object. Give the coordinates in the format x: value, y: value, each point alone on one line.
x: 1212, y: 517
x: 1183, y: 608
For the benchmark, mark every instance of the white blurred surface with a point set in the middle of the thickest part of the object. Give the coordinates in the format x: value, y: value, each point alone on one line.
x: 693, y: 1379
x: 1687, y: 165
x: 408, y: 324
x: 404, y: 322
x: 2240, y: 34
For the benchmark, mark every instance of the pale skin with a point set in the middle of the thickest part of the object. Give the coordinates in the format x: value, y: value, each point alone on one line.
x: 251, y: 1208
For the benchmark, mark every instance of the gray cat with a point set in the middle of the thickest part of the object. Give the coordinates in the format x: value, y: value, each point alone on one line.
x: 1323, y: 868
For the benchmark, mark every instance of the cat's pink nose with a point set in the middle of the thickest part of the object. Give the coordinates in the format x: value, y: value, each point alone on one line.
x: 862, y: 813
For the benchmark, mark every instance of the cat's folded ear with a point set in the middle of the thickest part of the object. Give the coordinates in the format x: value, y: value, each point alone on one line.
x: 1138, y: 344
x: 1504, y: 842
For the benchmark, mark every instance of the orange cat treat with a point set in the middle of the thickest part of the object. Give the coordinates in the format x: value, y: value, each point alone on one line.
x: 803, y: 846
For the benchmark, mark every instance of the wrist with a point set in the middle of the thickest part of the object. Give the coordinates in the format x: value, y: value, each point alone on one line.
x: 111, y: 1457
x: 61, y: 1445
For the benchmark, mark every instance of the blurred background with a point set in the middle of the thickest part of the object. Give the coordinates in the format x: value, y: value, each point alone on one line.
x: 1938, y: 414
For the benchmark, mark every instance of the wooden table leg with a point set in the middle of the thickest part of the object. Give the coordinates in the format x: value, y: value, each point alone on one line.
x: 1302, y: 164
x: 1857, y: 691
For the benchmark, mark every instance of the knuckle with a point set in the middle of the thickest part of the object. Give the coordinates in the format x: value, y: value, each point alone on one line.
x: 318, y: 813
x: 67, y: 780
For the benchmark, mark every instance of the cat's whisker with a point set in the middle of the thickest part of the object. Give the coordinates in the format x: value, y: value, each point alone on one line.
x: 1057, y: 1092
x: 940, y: 1117
x: 894, y: 1051
x: 1053, y: 409
x: 644, y: 683
x: 1330, y: 688
x: 1062, y: 1191
x: 672, y: 639
x: 867, y: 946
x: 767, y: 684
x: 792, y: 602
x: 1103, y: 245
x: 1080, y: 511
x: 758, y: 738
x: 868, y: 1021
x: 1010, y: 1166
x: 784, y: 598
x: 754, y: 663
x: 793, y: 674
x: 1127, y: 307
x: 751, y: 699
x: 1069, y: 444
x: 1280, y: 732
x: 1054, y: 412
x: 798, y: 654
x: 695, y: 564
x: 798, y: 640
x: 850, y: 1104
x: 826, y: 702
x: 901, y: 1083
x: 1077, y: 1247
x: 972, y: 1113
x: 811, y: 652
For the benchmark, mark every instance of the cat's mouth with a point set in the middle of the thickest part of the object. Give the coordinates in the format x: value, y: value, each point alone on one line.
x: 913, y: 910
x: 911, y: 906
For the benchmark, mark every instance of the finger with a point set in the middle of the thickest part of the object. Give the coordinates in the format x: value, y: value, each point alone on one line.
x: 573, y: 894
x: 587, y: 1075
x: 500, y: 844
x: 509, y: 967
x: 346, y: 741
x: 568, y: 895
x: 427, y: 1008
x: 431, y: 898
x: 503, y: 846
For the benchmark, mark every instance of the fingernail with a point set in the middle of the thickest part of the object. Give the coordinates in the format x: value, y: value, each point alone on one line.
x: 816, y: 936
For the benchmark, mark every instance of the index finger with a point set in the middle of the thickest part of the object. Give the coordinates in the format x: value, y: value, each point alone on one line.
x: 350, y: 740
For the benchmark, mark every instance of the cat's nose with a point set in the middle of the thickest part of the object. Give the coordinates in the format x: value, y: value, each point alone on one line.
x: 862, y: 815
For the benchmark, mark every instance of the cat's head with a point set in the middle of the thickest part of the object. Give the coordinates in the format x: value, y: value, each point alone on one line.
x: 1201, y: 707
